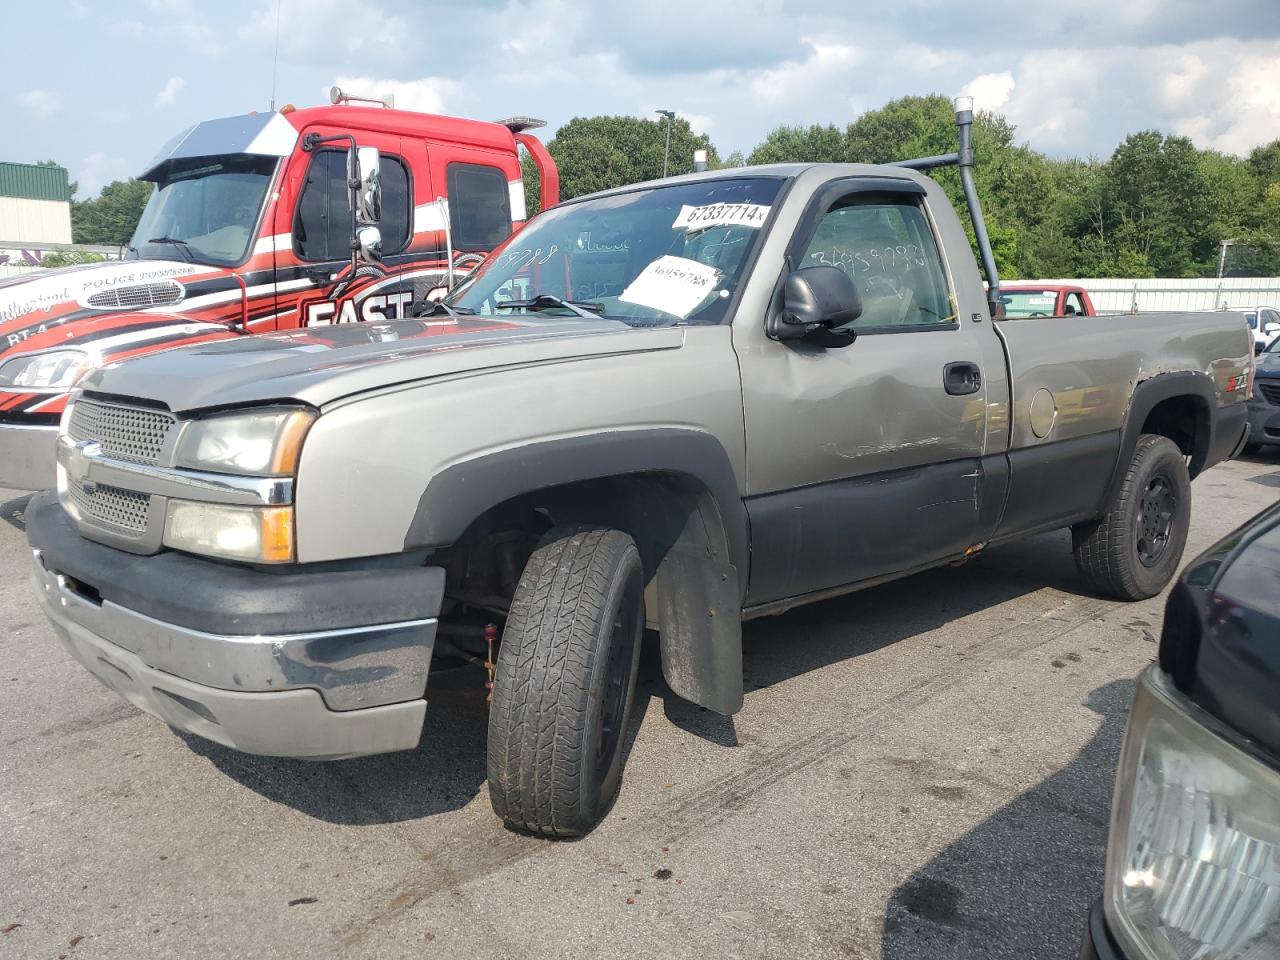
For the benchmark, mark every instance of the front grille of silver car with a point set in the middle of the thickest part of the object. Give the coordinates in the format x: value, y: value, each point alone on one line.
x: 164, y: 293
x: 1271, y: 391
x: 136, y: 434
x: 112, y: 506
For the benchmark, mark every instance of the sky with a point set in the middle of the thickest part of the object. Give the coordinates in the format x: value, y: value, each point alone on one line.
x: 100, y: 86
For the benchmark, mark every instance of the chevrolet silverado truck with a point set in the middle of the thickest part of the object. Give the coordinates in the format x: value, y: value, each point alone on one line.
x: 675, y: 405
x: 254, y: 225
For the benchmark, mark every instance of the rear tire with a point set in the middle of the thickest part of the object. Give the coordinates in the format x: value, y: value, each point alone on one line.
x: 565, y: 682
x: 1133, y: 551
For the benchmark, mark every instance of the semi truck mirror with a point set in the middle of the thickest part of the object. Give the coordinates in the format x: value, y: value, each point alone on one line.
x: 369, y: 244
x: 369, y: 192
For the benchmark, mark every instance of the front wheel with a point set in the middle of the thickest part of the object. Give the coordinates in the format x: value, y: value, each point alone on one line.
x: 565, y: 682
x: 1133, y: 551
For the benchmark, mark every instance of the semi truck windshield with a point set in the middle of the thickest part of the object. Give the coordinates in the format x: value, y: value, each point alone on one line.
x: 205, y: 209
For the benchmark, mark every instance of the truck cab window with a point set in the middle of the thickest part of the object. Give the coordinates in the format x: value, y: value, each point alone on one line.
x: 888, y: 250
x: 322, y: 225
x: 479, y: 206
x: 1074, y: 304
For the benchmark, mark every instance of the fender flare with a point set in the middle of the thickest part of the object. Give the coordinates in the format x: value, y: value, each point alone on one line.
x: 702, y: 546
x: 463, y: 491
x: 1147, y: 395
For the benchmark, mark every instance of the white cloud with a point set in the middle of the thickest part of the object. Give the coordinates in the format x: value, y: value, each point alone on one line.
x: 43, y: 103
x: 96, y: 171
x: 426, y: 95
x: 1221, y: 93
x: 323, y: 28
x: 823, y: 73
x: 990, y: 91
x: 169, y: 92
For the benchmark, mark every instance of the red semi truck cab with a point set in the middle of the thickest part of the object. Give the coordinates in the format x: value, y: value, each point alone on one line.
x: 258, y: 223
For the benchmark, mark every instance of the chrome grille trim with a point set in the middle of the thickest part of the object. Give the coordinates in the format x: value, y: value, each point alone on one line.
x: 133, y: 434
x: 164, y: 293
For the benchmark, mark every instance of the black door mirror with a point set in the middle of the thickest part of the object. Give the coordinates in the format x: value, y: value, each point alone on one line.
x: 820, y: 296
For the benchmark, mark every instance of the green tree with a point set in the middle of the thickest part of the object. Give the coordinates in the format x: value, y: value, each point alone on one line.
x: 112, y: 216
x: 70, y: 258
x: 598, y: 153
x: 815, y: 144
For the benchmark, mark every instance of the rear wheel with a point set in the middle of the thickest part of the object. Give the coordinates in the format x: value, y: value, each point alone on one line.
x: 565, y: 682
x: 1133, y: 551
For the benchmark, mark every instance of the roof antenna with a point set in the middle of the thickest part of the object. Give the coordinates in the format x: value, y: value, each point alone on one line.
x: 275, y: 59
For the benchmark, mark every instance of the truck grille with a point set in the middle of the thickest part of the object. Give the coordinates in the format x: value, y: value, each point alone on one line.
x: 1271, y: 391
x: 135, y: 434
x: 162, y: 294
x: 112, y: 506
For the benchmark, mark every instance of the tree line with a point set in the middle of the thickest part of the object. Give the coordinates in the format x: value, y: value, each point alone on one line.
x: 1158, y: 206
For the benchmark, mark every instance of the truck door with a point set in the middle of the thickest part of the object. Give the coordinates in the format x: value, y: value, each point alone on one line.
x: 314, y: 279
x: 865, y: 460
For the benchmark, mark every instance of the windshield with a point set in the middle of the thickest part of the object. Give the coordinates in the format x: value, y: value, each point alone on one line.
x: 655, y: 257
x: 1029, y: 303
x: 1252, y: 319
x: 205, y: 209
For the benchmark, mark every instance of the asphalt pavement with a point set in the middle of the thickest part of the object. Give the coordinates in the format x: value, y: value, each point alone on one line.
x: 921, y: 771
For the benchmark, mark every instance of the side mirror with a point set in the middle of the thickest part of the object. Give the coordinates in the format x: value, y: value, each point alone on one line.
x: 821, y: 296
x: 1271, y: 328
x: 369, y: 190
x: 369, y: 244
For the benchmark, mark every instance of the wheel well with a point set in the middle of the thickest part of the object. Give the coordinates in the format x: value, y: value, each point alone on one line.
x: 1184, y: 420
x: 692, y: 588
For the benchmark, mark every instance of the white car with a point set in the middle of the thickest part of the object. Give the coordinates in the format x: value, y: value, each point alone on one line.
x: 1264, y: 323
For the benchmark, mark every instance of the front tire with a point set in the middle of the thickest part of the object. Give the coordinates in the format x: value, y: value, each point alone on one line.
x: 565, y: 682
x: 1133, y: 551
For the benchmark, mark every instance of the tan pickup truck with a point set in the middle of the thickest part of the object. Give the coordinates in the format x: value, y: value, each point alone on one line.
x: 678, y: 404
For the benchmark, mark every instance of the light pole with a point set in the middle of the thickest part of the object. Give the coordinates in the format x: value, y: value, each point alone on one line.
x: 666, y: 152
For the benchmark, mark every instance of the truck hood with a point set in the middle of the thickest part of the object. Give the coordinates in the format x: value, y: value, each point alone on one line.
x: 319, y: 365
x: 78, y: 305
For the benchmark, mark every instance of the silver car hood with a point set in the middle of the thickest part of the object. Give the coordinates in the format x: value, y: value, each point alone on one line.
x: 319, y: 365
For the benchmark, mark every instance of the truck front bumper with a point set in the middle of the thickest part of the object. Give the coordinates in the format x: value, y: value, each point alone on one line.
x: 28, y: 456
x: 219, y: 662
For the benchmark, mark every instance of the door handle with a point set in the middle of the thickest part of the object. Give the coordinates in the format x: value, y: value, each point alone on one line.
x: 962, y: 377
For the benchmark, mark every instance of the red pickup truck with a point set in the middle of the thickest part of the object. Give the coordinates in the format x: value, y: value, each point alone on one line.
x: 255, y: 225
x: 1045, y: 300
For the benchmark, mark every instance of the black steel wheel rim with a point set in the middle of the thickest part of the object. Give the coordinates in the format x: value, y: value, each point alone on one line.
x: 617, y: 681
x: 1157, y: 508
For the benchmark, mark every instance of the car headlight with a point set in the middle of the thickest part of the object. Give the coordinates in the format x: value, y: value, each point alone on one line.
x: 264, y: 442
x: 51, y: 370
x: 256, y: 534
x: 1193, y: 864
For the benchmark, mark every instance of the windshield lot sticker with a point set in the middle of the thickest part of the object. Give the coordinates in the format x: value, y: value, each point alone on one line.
x: 673, y: 285
x: 720, y: 215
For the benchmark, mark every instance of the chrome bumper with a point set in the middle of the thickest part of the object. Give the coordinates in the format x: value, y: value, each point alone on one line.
x: 322, y: 695
x: 28, y: 456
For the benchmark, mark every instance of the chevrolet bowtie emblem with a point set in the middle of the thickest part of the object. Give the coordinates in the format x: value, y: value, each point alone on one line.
x: 78, y: 464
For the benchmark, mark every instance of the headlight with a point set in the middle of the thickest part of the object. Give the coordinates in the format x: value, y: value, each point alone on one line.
x: 257, y: 534
x: 1193, y: 865
x: 51, y: 370
x: 260, y: 443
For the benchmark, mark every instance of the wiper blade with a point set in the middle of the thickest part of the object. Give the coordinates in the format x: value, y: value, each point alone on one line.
x: 433, y: 307
x: 582, y: 308
x: 180, y: 244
